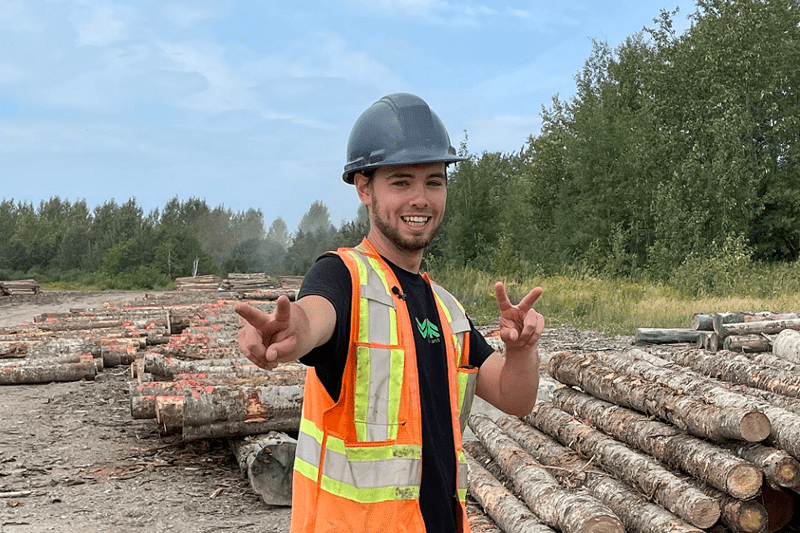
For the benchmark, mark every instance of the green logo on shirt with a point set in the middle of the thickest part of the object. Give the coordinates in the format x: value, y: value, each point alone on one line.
x: 428, y: 330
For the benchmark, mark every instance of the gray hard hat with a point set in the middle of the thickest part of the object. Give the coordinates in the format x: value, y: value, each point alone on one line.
x: 398, y: 129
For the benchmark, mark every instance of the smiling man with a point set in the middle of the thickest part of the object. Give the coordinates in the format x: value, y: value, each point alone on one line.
x: 393, y: 359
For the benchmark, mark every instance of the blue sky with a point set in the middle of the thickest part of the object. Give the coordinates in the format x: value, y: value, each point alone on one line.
x: 250, y: 103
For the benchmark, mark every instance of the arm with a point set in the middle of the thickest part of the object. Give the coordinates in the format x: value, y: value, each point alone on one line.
x: 510, y: 383
x: 288, y: 333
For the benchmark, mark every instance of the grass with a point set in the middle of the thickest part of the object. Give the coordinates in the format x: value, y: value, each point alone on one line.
x: 611, y: 306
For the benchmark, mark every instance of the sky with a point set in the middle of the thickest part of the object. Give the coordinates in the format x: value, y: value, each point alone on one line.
x: 249, y: 104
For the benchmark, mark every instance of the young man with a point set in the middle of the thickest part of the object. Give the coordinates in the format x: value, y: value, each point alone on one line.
x: 393, y: 359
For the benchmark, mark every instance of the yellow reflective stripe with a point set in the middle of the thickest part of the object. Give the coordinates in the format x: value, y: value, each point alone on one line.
x: 397, y: 362
x: 369, y: 474
x: 467, y: 381
x: 361, y: 406
x: 373, y: 495
x: 363, y: 304
x: 305, y: 469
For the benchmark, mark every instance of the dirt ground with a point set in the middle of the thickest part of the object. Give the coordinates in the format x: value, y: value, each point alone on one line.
x: 72, y: 459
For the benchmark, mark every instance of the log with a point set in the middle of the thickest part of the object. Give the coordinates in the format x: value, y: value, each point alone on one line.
x: 740, y: 516
x: 170, y: 367
x: 787, y: 346
x: 747, y: 343
x: 780, y: 468
x: 749, y: 328
x: 48, y: 371
x: 500, y: 503
x: 784, y: 425
x: 268, y: 462
x: 638, y: 514
x: 666, y: 335
x: 569, y: 512
x: 681, y: 497
x: 740, y: 370
x: 698, y: 458
x: 279, y: 405
x: 169, y: 414
x: 479, y: 521
x: 669, y: 404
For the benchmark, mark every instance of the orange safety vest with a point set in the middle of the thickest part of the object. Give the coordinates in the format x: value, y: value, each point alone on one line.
x: 358, y: 462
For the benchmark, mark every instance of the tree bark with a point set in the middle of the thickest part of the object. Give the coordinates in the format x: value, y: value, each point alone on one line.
x: 670, y: 404
x: 647, y: 475
x: 479, y: 521
x: 47, y: 370
x: 740, y: 370
x: 765, y: 326
x: 701, y: 459
x: 637, y: 513
x: 780, y: 468
x: 500, y: 503
x: 666, y: 335
x: 787, y: 346
x: 268, y: 462
x: 785, y: 425
x: 567, y: 511
x: 747, y: 343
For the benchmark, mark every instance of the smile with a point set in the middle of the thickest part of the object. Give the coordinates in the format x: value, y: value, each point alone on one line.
x: 416, y: 220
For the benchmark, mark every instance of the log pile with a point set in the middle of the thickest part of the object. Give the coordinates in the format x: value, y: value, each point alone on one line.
x: 247, y: 282
x: 22, y: 286
x: 689, y: 441
x: 207, y: 282
x: 752, y: 332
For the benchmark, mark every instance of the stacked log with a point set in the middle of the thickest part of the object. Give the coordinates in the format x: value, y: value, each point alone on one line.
x: 742, y: 332
x: 22, y: 286
x: 208, y: 282
x: 246, y: 282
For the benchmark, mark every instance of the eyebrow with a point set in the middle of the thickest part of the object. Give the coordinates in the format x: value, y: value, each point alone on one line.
x: 409, y: 175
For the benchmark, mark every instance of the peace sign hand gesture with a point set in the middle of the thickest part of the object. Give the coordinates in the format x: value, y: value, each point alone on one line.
x: 521, y: 325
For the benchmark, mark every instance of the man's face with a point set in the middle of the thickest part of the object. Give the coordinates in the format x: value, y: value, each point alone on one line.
x: 407, y: 203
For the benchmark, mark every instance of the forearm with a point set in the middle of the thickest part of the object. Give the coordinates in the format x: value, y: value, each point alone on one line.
x: 519, y: 381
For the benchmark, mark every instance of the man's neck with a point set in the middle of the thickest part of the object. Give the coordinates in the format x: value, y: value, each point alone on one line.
x: 411, y: 261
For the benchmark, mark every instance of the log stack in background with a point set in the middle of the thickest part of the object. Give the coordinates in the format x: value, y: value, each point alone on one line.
x: 668, y: 439
x: 21, y: 286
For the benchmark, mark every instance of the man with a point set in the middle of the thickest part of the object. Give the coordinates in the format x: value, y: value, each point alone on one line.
x: 393, y: 359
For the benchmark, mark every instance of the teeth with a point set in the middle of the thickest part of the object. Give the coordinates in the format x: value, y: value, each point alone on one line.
x: 416, y: 220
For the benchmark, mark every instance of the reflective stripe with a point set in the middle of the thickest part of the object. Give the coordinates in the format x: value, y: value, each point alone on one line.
x: 369, y: 474
x: 308, y: 450
x: 461, y: 480
x: 456, y: 317
x: 467, y: 381
x: 380, y: 361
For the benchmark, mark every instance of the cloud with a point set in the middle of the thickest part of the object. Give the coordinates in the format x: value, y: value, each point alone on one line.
x: 100, y: 27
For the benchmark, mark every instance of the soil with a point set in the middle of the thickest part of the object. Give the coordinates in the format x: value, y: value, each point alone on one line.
x: 72, y: 458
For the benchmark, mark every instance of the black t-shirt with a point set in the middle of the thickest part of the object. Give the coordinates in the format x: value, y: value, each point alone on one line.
x: 330, y: 278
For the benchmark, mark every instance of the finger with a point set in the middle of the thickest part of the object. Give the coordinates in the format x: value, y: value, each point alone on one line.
x: 283, y: 310
x: 251, y: 344
x: 527, y: 302
x: 255, y: 317
x: 532, y: 328
x: 280, y: 347
x: 502, y: 297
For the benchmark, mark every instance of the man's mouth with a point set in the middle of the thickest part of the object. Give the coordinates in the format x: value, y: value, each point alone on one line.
x: 416, y: 221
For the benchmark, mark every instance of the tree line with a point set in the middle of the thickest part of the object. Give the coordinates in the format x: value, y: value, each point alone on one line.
x: 675, y: 149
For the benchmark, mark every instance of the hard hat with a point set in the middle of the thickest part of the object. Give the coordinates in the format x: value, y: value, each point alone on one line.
x: 398, y: 129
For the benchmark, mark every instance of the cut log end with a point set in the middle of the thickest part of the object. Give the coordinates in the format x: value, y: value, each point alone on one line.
x: 752, y: 519
x: 755, y: 426
x: 787, y: 473
x: 603, y: 524
x: 744, y: 481
x: 704, y: 513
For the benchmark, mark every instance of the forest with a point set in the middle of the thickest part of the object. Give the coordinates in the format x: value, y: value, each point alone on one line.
x: 676, y: 152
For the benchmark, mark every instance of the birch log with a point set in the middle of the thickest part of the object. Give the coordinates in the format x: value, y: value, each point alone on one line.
x: 567, y: 511
x: 787, y: 345
x: 48, y: 370
x: 701, y: 459
x: 644, y: 473
x: 770, y: 327
x: 638, y: 514
x: 670, y: 404
x: 268, y: 462
x: 740, y: 370
x: 784, y: 425
x: 479, y: 521
x: 500, y: 503
x: 747, y: 343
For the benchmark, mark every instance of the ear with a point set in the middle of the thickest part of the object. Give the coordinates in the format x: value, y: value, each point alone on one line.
x: 364, y: 187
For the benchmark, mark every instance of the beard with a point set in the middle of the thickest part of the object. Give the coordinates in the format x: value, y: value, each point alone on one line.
x: 413, y: 244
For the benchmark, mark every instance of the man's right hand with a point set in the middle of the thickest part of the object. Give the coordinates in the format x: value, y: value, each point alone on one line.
x: 288, y: 333
x: 266, y: 337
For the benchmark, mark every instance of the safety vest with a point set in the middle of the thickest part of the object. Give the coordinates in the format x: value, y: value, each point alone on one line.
x: 358, y: 462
